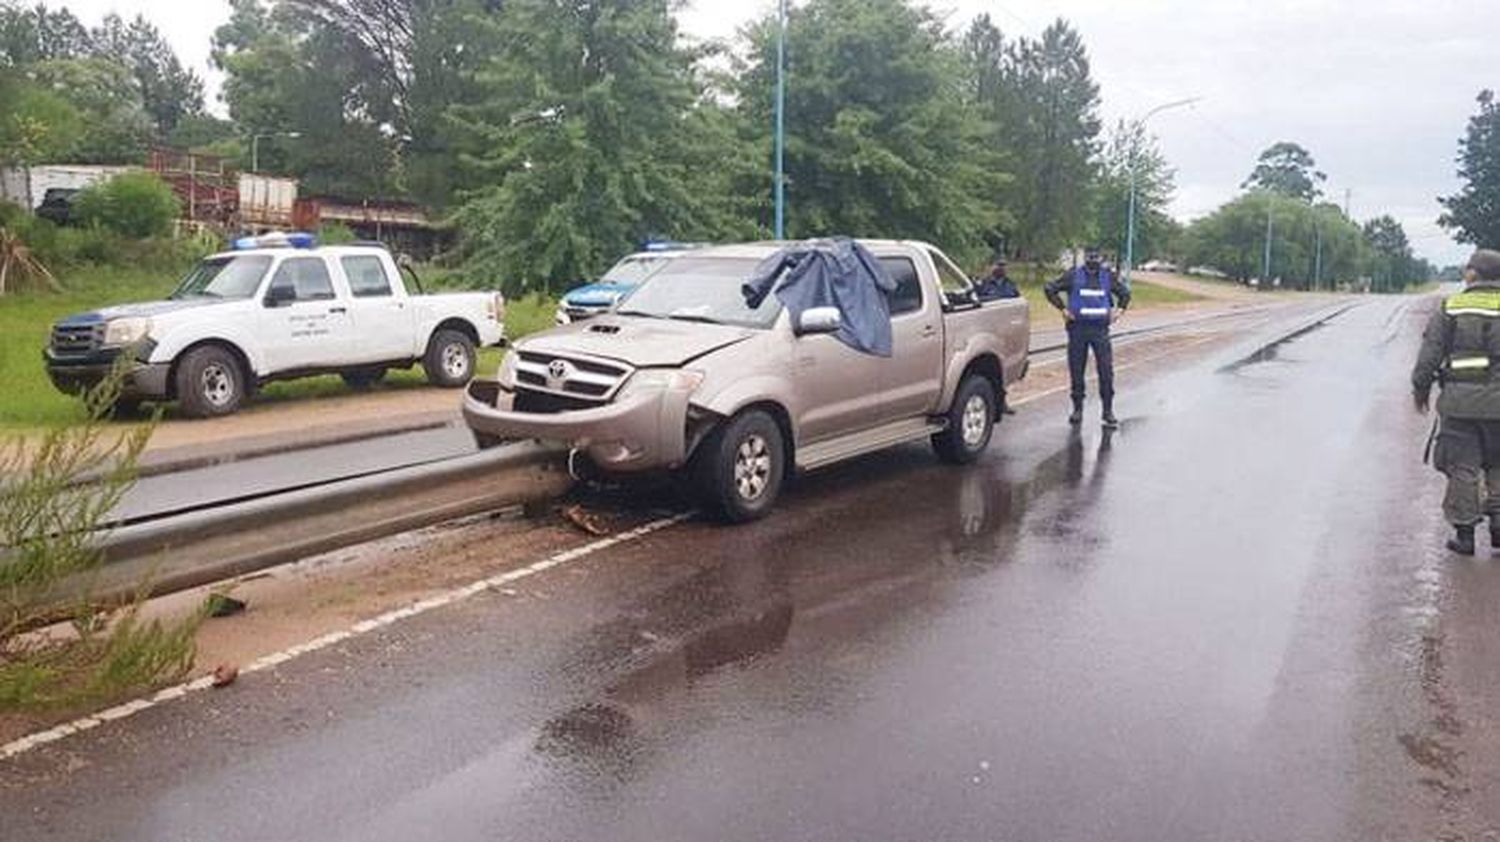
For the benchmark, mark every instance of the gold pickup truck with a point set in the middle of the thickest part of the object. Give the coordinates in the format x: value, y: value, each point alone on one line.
x: 685, y: 376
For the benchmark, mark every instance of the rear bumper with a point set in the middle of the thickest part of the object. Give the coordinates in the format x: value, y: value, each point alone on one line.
x: 645, y: 432
x: 75, y: 375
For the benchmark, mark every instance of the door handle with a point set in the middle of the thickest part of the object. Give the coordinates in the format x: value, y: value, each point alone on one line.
x: 928, y: 332
x: 338, y: 309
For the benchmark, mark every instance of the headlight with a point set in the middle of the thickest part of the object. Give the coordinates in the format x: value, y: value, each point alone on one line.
x: 126, y: 331
x: 661, y: 379
x: 507, y: 375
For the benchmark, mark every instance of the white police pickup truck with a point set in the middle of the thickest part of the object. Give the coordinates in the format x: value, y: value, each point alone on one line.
x: 274, y: 308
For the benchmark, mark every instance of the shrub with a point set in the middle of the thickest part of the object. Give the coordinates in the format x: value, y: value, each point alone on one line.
x: 336, y: 234
x: 136, y: 205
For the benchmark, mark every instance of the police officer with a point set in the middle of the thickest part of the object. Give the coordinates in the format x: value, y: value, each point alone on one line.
x: 1460, y: 350
x: 998, y: 285
x: 1090, y: 298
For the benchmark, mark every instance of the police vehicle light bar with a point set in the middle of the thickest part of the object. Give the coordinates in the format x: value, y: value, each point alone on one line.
x: 277, y: 240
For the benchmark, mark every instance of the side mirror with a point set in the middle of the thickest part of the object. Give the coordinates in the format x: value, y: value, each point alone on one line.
x: 280, y: 295
x: 820, y: 320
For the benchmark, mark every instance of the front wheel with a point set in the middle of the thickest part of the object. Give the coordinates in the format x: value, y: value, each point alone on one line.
x: 449, y: 361
x: 210, y: 382
x: 739, y: 469
x: 971, y: 422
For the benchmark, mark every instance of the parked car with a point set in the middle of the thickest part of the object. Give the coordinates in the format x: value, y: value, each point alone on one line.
x: 275, y: 308
x: 590, y: 300
x: 685, y: 376
x: 57, y: 205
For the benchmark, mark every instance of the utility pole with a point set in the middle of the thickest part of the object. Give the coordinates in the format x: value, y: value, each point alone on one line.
x: 1134, y: 153
x: 1347, y: 194
x: 1318, y: 258
x: 781, y: 121
x: 1265, y: 273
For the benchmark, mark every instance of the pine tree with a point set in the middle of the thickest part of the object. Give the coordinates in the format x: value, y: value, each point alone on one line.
x: 1473, y: 214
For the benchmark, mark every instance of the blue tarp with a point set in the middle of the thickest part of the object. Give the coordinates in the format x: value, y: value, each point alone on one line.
x: 831, y: 273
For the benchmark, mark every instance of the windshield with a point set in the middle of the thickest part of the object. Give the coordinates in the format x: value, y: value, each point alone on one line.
x: 633, y: 269
x: 704, y: 289
x: 224, y: 277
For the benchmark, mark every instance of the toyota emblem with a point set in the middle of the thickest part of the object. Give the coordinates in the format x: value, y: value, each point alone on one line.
x: 558, y: 370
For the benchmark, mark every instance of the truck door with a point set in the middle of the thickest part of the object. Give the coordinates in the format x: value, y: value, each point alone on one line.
x: 304, y: 324
x: 382, y: 319
x: 912, y: 379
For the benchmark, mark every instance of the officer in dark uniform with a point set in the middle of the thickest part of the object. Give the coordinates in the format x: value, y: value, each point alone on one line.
x: 998, y: 285
x: 1090, y: 298
x: 1461, y: 350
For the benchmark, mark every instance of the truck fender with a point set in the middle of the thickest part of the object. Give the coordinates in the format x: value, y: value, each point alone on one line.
x: 171, y: 346
x: 761, y: 390
x: 979, y: 346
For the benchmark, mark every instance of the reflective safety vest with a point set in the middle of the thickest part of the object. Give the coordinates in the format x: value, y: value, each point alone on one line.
x: 1090, y: 305
x: 1466, y: 364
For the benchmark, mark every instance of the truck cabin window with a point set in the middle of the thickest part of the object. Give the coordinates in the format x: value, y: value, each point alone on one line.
x: 307, y: 275
x: 367, y: 277
x: 224, y: 277
x: 701, y: 289
x: 908, y: 295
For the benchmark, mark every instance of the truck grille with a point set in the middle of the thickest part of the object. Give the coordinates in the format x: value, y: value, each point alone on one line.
x: 76, y: 340
x: 589, y: 382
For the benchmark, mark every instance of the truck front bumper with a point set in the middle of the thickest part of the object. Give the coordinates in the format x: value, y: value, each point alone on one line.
x: 643, y: 432
x: 76, y: 375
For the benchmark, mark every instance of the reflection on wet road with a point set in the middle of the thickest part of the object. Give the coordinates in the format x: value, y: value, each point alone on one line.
x: 1207, y: 625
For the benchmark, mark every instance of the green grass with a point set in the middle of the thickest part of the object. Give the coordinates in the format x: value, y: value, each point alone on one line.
x: 28, y: 399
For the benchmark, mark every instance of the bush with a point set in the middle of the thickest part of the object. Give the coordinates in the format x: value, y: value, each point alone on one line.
x: 136, y: 205
x: 336, y: 234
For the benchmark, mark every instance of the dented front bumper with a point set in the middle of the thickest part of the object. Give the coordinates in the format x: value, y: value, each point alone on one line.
x: 638, y: 431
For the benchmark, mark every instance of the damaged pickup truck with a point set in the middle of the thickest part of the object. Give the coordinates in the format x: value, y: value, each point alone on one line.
x: 738, y: 365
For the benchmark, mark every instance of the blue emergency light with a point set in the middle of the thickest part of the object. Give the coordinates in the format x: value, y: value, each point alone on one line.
x: 277, y: 240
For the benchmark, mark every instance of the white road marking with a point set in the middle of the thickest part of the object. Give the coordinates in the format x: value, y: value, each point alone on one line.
x: 389, y: 618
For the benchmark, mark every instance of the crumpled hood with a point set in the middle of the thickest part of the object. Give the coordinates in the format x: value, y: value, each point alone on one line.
x: 144, y: 308
x: 640, y: 342
x: 599, y: 294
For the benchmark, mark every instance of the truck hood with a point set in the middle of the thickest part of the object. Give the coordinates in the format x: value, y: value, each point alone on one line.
x: 144, y: 308
x: 636, y: 341
x: 601, y: 294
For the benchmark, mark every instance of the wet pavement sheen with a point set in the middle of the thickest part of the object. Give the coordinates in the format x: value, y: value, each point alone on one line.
x: 1215, y: 623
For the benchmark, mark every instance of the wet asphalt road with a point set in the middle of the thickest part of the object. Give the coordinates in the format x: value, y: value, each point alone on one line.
x: 1229, y: 620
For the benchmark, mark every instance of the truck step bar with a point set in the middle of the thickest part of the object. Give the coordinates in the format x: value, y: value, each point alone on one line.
x: 824, y: 453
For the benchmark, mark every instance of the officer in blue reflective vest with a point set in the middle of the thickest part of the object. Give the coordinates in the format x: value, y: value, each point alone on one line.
x: 1090, y: 298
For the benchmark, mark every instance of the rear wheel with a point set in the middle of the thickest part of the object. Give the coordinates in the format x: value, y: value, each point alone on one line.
x: 363, y: 378
x: 739, y: 469
x: 210, y: 382
x: 971, y: 422
x: 449, y: 361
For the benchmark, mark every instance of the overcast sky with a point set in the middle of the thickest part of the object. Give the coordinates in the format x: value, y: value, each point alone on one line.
x: 1378, y: 90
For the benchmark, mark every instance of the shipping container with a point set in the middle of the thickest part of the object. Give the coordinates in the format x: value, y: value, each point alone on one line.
x: 266, y: 201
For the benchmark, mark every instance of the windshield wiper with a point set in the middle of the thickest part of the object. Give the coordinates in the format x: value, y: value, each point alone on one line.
x: 683, y: 317
x: 643, y: 314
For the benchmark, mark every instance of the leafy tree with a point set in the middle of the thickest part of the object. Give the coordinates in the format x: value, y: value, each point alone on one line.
x: 1232, y: 239
x: 593, y: 138
x: 1051, y: 130
x: 135, y: 204
x: 35, y: 34
x: 1473, y: 214
x: 879, y: 142
x: 1392, y: 265
x: 168, y: 91
x: 1289, y: 170
x: 113, y: 126
x: 36, y: 124
x: 1131, y: 148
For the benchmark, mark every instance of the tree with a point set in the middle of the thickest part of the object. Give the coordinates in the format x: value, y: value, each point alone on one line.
x: 878, y: 141
x: 113, y: 126
x: 593, y: 137
x: 1392, y: 265
x: 1131, y: 148
x: 1051, y: 129
x: 169, y: 92
x: 1308, y: 242
x: 1289, y: 170
x: 37, y: 34
x: 1473, y: 214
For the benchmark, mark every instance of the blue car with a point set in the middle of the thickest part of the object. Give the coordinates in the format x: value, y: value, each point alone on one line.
x: 585, y: 302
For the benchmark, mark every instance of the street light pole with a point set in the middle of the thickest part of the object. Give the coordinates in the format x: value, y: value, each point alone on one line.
x: 780, y: 188
x: 1265, y: 274
x: 1134, y: 152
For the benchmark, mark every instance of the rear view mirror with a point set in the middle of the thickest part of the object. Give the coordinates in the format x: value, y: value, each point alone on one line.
x: 280, y: 295
x: 820, y: 320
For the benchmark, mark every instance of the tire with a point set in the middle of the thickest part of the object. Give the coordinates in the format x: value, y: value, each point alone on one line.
x: 739, y: 469
x: 361, y: 379
x: 971, y: 422
x: 449, y: 361
x: 125, y: 409
x: 210, y: 382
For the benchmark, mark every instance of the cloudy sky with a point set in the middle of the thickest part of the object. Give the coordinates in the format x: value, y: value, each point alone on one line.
x: 1378, y: 90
